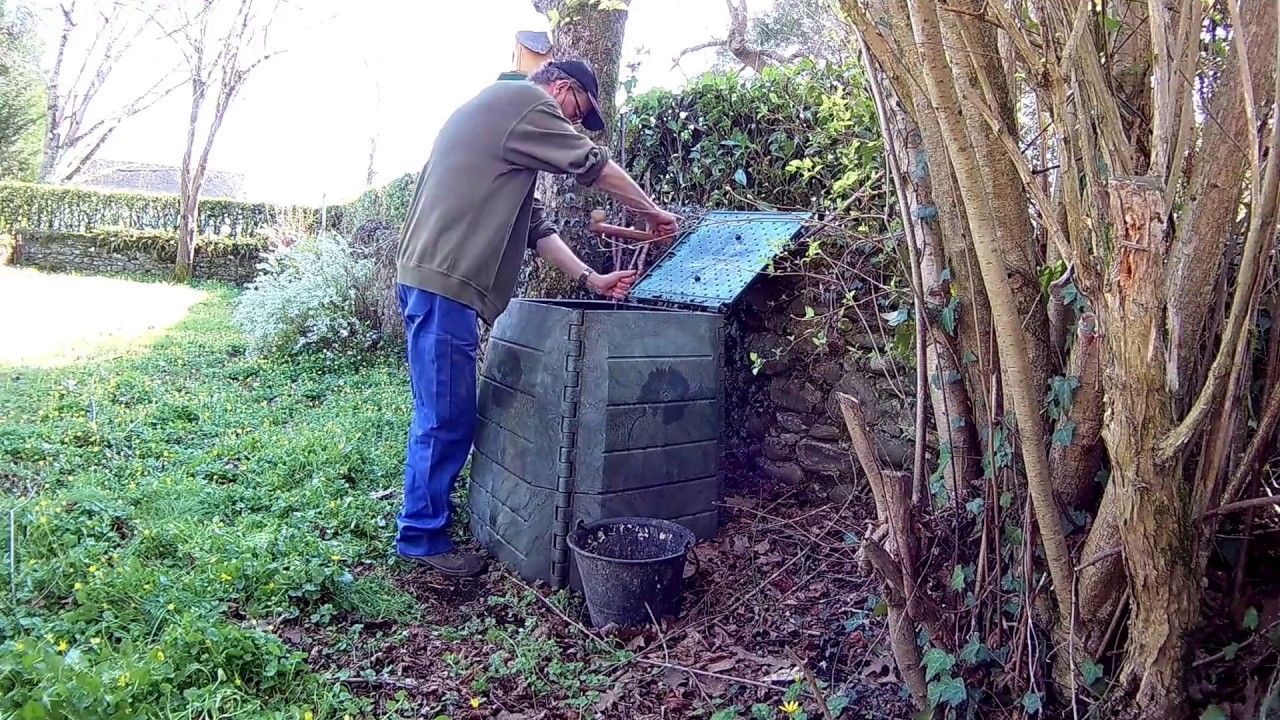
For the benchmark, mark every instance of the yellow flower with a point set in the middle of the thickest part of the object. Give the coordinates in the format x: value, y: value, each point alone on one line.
x: 308, y: 715
x: 93, y: 568
x: 335, y: 558
x: 63, y: 646
x: 19, y: 646
x: 475, y: 703
x: 146, y: 533
x: 77, y: 586
x: 160, y: 655
x: 43, y: 519
x: 147, y: 587
x: 333, y: 503
x: 133, y: 486
x: 95, y: 641
x: 123, y: 680
x: 346, y: 717
x: 171, y: 607
x: 237, y: 682
x: 791, y: 707
x: 48, y: 636
x: 226, y: 577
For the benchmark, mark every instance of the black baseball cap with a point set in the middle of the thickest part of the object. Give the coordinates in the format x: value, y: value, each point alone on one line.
x: 582, y: 73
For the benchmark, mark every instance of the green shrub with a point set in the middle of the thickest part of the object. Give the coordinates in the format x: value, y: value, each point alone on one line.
x: 389, y: 204
x: 803, y: 136
x: 317, y: 295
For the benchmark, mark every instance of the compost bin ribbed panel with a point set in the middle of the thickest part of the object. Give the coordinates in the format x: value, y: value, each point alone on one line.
x: 592, y: 410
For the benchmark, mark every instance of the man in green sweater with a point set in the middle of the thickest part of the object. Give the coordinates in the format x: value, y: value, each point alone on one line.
x: 472, y: 219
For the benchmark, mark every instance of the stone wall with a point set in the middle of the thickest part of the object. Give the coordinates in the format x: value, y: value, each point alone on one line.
x: 783, y: 422
x: 71, y: 253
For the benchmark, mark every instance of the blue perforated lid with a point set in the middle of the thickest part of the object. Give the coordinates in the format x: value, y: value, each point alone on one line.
x: 713, y: 263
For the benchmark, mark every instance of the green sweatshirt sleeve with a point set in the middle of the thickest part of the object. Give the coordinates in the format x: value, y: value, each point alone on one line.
x: 542, y: 139
x: 539, y: 225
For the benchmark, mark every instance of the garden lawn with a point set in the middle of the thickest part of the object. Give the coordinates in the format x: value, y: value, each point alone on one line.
x: 174, y: 502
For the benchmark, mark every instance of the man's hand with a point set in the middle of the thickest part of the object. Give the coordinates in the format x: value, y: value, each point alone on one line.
x: 615, y: 285
x: 664, y: 225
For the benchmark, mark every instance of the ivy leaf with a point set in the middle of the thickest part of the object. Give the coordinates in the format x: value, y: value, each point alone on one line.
x: 976, y: 506
x: 938, y: 662
x: 948, y: 317
x: 948, y: 691
x: 1090, y: 672
x: 1231, y: 650
x: 836, y: 704
x: 1062, y: 436
x: 957, y: 579
x: 1251, y: 619
x: 882, y: 610
x: 1006, y: 499
x: 729, y: 713
x: 741, y: 177
x: 896, y: 318
x: 1110, y: 23
x: 760, y: 711
x: 1031, y: 702
x: 1213, y: 712
x: 970, y: 358
x: 808, y: 313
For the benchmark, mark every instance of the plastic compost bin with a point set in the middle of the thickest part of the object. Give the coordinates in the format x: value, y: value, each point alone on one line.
x: 593, y: 409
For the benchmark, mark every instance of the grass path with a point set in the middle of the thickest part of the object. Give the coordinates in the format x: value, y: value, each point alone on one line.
x: 174, y: 502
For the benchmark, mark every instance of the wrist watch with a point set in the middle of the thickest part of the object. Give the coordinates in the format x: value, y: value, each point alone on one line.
x: 582, y: 279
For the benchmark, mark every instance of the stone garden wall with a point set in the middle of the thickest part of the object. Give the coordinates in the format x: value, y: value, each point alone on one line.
x: 96, y: 254
x: 783, y: 422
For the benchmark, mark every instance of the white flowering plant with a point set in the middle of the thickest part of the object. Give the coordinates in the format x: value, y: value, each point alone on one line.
x: 315, y: 295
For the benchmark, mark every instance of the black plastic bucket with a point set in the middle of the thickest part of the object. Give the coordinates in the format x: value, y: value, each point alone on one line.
x: 632, y: 569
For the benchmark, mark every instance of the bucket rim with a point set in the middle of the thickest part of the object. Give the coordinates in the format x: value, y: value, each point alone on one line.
x: 690, y: 539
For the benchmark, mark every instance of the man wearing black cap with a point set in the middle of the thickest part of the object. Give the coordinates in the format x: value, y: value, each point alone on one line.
x: 472, y: 218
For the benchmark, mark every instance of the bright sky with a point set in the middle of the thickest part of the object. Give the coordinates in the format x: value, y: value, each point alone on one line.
x: 300, y: 130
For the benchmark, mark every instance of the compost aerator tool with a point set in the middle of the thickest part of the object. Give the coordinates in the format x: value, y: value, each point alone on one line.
x: 644, y: 237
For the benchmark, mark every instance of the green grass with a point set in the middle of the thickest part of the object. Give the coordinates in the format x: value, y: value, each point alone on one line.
x: 175, y: 502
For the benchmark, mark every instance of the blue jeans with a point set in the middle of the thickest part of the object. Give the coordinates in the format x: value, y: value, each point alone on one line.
x: 442, y: 338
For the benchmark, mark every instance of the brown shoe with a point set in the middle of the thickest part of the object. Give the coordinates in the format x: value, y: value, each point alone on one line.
x: 454, y: 563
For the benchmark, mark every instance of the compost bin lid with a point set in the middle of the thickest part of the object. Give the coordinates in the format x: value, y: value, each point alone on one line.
x: 715, y: 262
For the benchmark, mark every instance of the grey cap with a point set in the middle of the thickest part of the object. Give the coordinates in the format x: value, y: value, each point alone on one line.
x: 538, y: 42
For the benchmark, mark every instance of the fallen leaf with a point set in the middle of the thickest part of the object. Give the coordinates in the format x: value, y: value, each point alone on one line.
x: 722, y: 666
x: 763, y: 547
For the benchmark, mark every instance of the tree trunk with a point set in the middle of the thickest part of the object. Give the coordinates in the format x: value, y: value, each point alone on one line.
x: 1015, y: 359
x: 588, y: 33
x: 978, y: 70
x: 1151, y: 497
x: 947, y: 392
x: 1214, y: 193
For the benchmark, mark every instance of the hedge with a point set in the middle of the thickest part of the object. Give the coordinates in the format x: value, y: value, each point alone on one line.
x: 160, y: 244
x: 803, y: 136
x: 389, y: 203
x: 28, y: 206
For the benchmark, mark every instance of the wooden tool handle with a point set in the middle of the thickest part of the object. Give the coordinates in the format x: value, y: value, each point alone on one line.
x: 599, y: 227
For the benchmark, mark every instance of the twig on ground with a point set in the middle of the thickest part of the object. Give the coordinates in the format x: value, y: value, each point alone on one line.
x: 708, y: 673
x: 813, y: 683
x: 1247, y: 641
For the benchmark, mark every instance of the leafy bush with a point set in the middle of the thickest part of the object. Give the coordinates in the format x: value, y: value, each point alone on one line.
x: 389, y: 204
x: 802, y: 136
x: 316, y: 295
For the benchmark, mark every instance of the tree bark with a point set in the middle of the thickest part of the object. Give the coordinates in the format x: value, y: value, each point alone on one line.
x: 588, y: 33
x: 1214, y: 194
x: 1151, y: 498
x: 978, y: 71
